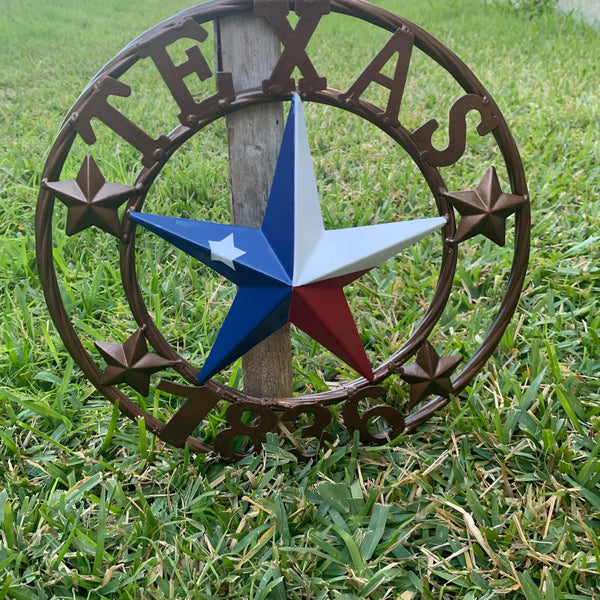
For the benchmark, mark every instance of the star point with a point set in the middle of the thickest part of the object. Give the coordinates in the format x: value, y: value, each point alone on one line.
x: 321, y: 310
x: 91, y: 200
x: 485, y: 209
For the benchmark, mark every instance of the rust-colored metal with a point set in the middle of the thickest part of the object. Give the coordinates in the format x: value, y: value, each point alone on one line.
x: 457, y: 131
x: 354, y: 421
x: 131, y: 363
x: 429, y: 374
x: 294, y: 41
x: 484, y: 210
x: 90, y: 201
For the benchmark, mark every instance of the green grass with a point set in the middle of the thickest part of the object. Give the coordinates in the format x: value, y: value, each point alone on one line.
x: 496, y: 496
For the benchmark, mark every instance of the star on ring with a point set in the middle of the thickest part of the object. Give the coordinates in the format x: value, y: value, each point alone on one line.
x: 291, y: 270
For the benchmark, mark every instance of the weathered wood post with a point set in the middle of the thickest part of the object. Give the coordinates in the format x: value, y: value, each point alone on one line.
x: 248, y: 48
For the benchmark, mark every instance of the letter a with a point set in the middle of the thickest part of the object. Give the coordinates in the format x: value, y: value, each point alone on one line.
x: 402, y: 43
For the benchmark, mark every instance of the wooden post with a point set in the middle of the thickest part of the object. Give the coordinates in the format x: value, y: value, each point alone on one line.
x: 248, y: 48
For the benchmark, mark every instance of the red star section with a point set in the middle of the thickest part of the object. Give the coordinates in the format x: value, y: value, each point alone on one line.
x: 91, y: 200
x: 321, y: 310
x: 429, y: 374
x: 485, y: 209
x: 131, y: 363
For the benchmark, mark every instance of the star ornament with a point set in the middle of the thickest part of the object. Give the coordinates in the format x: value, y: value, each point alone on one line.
x: 91, y: 200
x: 291, y: 270
x: 429, y: 374
x: 131, y: 363
x: 485, y: 209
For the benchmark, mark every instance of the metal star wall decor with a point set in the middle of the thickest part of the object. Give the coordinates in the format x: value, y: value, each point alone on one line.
x: 131, y: 363
x: 485, y: 210
x: 292, y: 268
x: 429, y: 374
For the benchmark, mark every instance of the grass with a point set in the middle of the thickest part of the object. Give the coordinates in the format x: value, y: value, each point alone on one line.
x: 497, y: 496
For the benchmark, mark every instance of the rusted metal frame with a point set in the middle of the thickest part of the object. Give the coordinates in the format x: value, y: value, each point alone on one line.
x: 47, y: 275
x: 464, y: 76
x: 467, y: 80
x: 328, y: 397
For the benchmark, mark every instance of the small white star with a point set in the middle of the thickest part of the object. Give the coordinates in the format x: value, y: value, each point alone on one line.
x: 225, y: 251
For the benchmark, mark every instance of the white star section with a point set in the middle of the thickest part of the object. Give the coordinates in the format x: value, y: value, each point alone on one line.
x: 321, y: 254
x: 225, y: 251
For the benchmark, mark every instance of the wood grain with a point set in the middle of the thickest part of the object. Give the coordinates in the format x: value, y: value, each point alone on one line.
x: 248, y: 48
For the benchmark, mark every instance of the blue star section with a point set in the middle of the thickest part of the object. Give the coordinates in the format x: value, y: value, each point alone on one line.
x: 291, y: 270
x: 278, y: 222
x: 257, y: 263
x: 256, y: 312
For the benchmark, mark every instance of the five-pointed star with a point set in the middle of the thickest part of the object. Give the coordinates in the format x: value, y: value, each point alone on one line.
x: 131, y: 363
x: 429, y: 374
x: 291, y: 270
x: 485, y: 209
x: 91, y: 200
x: 225, y: 251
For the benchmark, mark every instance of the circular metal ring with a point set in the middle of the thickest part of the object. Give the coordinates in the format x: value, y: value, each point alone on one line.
x: 420, y: 151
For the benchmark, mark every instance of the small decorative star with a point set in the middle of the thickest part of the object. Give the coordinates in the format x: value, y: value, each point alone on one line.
x: 429, y: 374
x: 291, y: 270
x: 225, y: 251
x: 485, y: 209
x: 91, y: 200
x: 131, y: 363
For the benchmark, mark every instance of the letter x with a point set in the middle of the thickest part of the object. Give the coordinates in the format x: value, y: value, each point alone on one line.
x: 294, y: 42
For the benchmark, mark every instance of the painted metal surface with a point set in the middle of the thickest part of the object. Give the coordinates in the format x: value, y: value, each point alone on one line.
x: 291, y: 270
x: 267, y: 256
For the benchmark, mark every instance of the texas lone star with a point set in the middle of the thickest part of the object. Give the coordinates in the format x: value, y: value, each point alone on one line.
x: 291, y: 270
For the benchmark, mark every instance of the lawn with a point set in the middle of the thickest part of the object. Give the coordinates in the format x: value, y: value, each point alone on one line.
x: 498, y: 495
